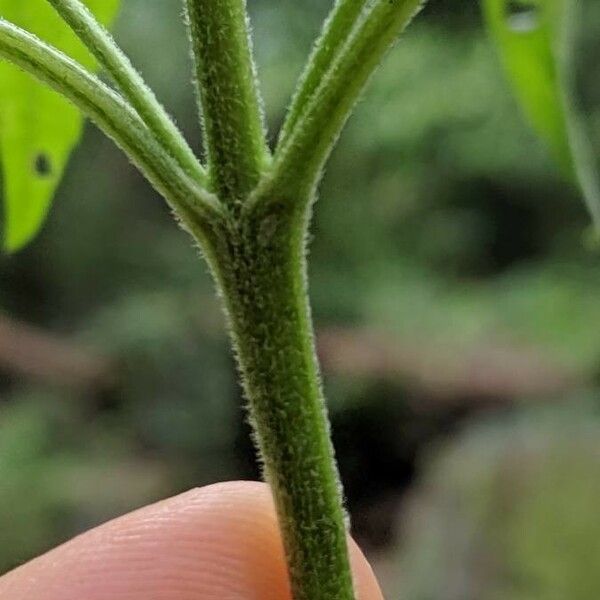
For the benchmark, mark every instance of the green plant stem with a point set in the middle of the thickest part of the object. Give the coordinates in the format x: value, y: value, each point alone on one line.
x: 261, y: 271
x: 336, y: 30
x: 228, y: 94
x: 299, y: 161
x: 194, y: 206
x: 254, y: 238
x: 101, y: 44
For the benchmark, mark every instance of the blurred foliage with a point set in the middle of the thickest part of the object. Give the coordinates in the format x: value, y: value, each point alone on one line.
x: 509, y: 511
x: 442, y: 222
x: 58, y: 473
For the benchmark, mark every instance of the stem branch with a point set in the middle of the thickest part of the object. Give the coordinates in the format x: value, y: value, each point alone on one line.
x: 299, y: 161
x: 101, y: 44
x: 336, y: 30
x: 228, y: 94
x: 115, y: 117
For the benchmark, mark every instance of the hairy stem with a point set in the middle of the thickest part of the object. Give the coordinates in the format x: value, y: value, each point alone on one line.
x: 115, y: 117
x: 336, y: 30
x: 254, y: 234
x: 101, y: 44
x: 228, y: 94
x: 261, y: 272
x: 299, y: 160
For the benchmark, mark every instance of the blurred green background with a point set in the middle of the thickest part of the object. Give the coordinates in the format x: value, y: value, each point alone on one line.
x: 455, y: 297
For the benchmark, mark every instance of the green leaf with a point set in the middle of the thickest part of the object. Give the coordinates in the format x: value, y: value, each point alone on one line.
x: 535, y: 39
x: 38, y: 128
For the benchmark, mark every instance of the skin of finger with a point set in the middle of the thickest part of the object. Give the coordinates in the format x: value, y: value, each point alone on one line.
x: 220, y: 542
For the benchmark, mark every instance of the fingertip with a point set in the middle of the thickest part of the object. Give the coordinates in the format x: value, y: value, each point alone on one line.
x: 218, y: 542
x: 365, y: 582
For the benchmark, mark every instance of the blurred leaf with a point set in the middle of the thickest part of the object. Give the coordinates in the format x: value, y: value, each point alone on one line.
x: 535, y: 38
x: 38, y: 128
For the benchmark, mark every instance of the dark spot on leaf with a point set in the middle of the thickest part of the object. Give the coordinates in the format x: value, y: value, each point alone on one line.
x: 42, y: 165
x: 522, y: 16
